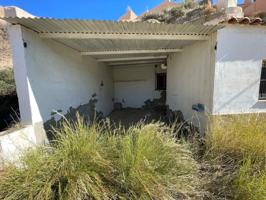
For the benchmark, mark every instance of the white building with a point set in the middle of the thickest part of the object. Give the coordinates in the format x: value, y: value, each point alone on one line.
x: 61, y: 63
x: 211, y: 70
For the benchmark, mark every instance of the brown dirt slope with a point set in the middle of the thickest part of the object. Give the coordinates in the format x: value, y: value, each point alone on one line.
x: 5, y: 51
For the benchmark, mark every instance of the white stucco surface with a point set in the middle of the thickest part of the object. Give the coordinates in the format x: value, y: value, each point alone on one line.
x: 240, y: 52
x: 13, y: 11
x: 190, y: 78
x: 57, y: 77
x: 20, y: 73
x: 133, y: 85
x: 12, y: 144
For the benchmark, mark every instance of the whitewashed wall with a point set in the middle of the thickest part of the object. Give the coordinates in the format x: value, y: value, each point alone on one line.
x: 133, y: 85
x: 13, y: 11
x: 190, y: 77
x: 12, y: 144
x: 240, y: 52
x: 58, y: 77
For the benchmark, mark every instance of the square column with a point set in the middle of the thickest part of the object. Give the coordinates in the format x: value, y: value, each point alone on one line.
x: 28, y: 107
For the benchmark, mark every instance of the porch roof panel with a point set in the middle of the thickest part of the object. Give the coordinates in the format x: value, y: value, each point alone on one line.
x: 121, y: 39
x: 51, y: 25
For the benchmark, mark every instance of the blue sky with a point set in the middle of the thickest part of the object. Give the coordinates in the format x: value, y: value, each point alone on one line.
x: 84, y: 9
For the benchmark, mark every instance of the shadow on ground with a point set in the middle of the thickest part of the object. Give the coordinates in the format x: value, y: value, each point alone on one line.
x: 132, y: 116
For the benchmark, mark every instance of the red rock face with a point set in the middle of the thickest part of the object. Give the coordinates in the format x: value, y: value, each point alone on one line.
x: 254, y: 9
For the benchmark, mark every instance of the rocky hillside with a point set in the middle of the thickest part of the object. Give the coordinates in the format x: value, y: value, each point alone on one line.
x: 9, y: 111
x: 187, y: 13
x: 5, y: 51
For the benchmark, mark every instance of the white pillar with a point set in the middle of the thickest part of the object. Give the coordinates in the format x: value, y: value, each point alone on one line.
x: 28, y: 107
x: 20, y: 73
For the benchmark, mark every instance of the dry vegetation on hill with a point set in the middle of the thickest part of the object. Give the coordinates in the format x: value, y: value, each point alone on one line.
x: 186, y: 13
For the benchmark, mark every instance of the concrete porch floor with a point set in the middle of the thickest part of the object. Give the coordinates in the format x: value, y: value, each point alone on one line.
x: 132, y: 116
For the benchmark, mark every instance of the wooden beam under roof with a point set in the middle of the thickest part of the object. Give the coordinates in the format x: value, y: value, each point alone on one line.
x: 137, y: 62
x: 126, y: 52
x: 131, y: 58
x: 124, y: 36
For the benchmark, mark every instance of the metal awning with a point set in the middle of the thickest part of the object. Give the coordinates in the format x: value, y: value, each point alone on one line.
x: 118, y: 42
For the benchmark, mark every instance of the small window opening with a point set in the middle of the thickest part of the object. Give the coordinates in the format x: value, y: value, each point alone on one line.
x: 161, y: 81
x: 262, y: 95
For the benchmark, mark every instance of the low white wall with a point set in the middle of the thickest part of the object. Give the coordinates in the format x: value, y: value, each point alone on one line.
x: 13, y: 11
x: 190, y: 77
x: 12, y: 144
x: 133, y: 85
x: 240, y: 52
x: 59, y: 77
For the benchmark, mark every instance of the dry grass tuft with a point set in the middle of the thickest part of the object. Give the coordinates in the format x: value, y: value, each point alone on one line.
x: 237, y: 144
x: 238, y: 136
x: 104, y: 162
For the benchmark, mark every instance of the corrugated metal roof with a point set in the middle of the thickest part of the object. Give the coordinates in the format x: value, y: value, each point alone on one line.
x: 116, y: 45
x: 50, y: 25
x: 70, y: 27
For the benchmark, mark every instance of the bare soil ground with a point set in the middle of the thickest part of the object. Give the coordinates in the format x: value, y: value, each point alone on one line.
x: 131, y: 116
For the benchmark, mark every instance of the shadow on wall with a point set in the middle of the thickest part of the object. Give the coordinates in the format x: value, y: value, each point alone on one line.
x: 240, y: 93
x: 86, y: 111
x: 156, y: 102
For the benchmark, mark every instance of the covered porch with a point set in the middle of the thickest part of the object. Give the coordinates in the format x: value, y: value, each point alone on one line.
x: 67, y: 65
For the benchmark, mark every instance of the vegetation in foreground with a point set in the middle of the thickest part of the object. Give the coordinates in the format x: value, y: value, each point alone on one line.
x: 144, y: 162
x: 237, y: 144
x: 103, y: 162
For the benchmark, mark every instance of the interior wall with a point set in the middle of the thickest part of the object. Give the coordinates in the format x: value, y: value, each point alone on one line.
x: 190, y: 78
x: 133, y: 85
x: 60, y: 78
x: 240, y: 52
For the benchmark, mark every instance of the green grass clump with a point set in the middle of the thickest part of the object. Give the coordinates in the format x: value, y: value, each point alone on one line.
x: 102, y: 162
x: 238, y: 144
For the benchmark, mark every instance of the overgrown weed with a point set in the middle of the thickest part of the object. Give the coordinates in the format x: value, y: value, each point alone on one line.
x: 100, y: 161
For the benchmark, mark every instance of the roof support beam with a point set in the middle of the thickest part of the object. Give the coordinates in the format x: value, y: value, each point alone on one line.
x: 137, y: 62
x: 103, y: 53
x: 131, y: 58
x: 124, y: 36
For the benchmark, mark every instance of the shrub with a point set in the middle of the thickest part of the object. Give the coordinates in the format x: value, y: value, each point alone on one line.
x: 176, y: 12
x: 151, y: 16
x: 7, y: 82
x: 165, y: 15
x: 9, y: 111
x: 190, y: 5
x: 103, y: 162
